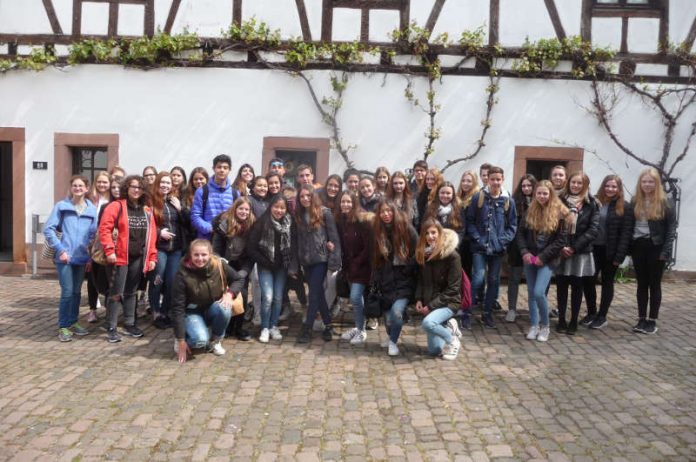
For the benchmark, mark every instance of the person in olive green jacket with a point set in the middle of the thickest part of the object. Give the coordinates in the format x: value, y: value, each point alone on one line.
x: 438, y: 293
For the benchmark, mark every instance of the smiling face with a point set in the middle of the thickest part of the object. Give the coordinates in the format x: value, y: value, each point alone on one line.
x: 277, y: 167
x: 495, y: 183
x: 198, y: 180
x: 398, y: 185
x: 200, y: 256
x: 432, y: 234
x: 576, y: 184
x: 558, y: 178
x: 102, y: 184
x: 243, y: 211
x: 78, y: 189
x: 353, y: 183
x: 135, y: 190
x: 115, y: 189
x: 446, y: 194
x: 429, y: 180
x: 526, y: 187
x: 542, y: 195
x: 247, y: 174
x: 386, y: 214
x: 332, y: 188
x: 305, y: 198
x: 274, y: 185
x: 611, y: 189
x: 467, y: 183
x: 367, y: 190
x: 346, y: 203
x: 278, y: 210
x: 261, y: 187
x: 149, y: 176
x: 165, y: 185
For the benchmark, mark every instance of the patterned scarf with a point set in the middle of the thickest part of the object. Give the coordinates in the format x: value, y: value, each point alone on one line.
x: 267, y: 242
x: 443, y: 213
x: 574, y: 205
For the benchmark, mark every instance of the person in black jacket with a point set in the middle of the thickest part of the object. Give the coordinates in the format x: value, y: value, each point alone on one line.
x: 393, y: 266
x: 611, y: 246
x: 653, y: 237
x: 577, y: 267
x: 540, y: 239
x: 272, y: 245
x: 202, y: 298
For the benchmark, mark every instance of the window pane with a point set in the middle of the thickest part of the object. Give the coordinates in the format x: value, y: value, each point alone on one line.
x: 638, y: 2
x: 100, y: 162
x: 607, y: 1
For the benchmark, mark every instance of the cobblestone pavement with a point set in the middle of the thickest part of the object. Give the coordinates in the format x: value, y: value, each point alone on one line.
x: 600, y: 395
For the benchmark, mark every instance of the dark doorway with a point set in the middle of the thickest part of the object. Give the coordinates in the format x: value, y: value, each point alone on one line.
x: 5, y: 201
x: 294, y: 159
x: 541, y: 169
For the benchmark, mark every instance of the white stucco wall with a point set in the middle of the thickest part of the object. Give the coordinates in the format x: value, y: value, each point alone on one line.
x: 186, y: 116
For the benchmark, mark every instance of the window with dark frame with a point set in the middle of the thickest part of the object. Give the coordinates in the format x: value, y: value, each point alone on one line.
x: 626, y: 3
x: 87, y: 161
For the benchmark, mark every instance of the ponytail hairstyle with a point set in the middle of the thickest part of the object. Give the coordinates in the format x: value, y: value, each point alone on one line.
x: 316, y: 217
x: 394, y: 239
x: 423, y: 241
x: 604, y: 200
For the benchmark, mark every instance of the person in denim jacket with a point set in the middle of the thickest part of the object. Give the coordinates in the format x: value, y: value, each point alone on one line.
x: 491, y: 222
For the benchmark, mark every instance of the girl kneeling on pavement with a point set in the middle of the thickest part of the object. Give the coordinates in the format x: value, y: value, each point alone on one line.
x: 393, y: 266
x: 540, y: 239
x: 438, y: 293
x: 201, y: 298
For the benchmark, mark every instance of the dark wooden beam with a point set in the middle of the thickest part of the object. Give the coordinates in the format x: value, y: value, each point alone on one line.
x: 586, y: 20
x: 77, y: 18
x: 304, y: 22
x: 625, y: 13
x: 237, y: 12
x: 494, y: 22
x: 365, y: 25
x: 624, y: 35
x: 326, y: 20
x: 434, y: 14
x: 52, y: 17
x: 405, y: 14
x: 691, y: 37
x: 113, y: 19
x: 149, y: 18
x: 663, y: 33
x: 171, y: 17
x: 370, y: 4
x: 555, y: 19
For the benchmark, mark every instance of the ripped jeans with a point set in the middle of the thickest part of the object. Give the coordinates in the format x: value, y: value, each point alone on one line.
x: 394, y: 318
x: 123, y: 285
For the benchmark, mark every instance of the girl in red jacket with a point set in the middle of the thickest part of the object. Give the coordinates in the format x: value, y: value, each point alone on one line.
x: 128, y: 233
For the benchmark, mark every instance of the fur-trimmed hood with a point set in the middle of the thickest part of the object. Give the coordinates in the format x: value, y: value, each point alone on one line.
x: 450, y: 242
x: 366, y: 217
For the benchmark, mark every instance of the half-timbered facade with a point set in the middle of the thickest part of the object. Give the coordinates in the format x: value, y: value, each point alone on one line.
x: 247, y: 101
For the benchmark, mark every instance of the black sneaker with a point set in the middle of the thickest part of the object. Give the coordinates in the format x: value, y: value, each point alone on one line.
x: 496, y: 306
x: 305, y: 335
x: 553, y: 314
x: 243, y: 335
x: 327, y: 334
x: 561, y: 326
x: 465, y: 322
x: 598, y: 322
x: 640, y: 327
x: 133, y: 331
x: 587, y: 320
x: 160, y: 323
x: 112, y: 336
x: 572, y: 328
x: 488, y: 322
x: 650, y: 327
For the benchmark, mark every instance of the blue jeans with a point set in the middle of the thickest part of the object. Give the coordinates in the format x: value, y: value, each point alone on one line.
x: 492, y: 264
x: 394, y: 319
x: 315, y: 275
x: 537, y: 281
x: 272, y: 286
x: 70, y: 278
x: 357, y: 301
x: 216, y: 316
x: 163, y: 277
x: 438, y: 334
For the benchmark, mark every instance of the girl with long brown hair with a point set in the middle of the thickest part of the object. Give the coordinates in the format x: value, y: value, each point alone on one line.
x: 427, y: 194
x: 399, y: 192
x: 393, y: 266
x: 382, y: 178
x: 653, y: 237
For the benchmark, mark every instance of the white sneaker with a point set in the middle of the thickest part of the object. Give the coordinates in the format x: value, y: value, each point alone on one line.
x: 275, y: 334
x: 318, y: 325
x: 510, y: 316
x: 372, y: 323
x: 348, y: 335
x: 450, y: 351
x: 453, y: 326
x: 265, y: 334
x: 216, y: 348
x: 393, y: 350
x: 99, y: 305
x: 533, y: 333
x: 543, y: 334
x: 359, y: 338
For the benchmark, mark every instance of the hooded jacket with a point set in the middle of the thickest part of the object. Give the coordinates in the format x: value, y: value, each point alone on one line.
x: 120, y: 246
x: 440, y: 280
x: 78, y: 231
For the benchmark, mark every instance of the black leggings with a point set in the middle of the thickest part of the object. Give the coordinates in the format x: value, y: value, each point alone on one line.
x: 576, y: 284
x: 605, y: 266
x: 649, y: 269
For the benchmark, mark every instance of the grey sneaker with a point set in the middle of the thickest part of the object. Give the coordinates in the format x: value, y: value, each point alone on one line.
x: 64, y: 334
x: 77, y: 329
x: 133, y: 331
x: 511, y: 315
x: 112, y: 336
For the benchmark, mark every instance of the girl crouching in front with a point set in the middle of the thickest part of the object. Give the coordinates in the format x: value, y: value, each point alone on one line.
x: 438, y: 293
x: 201, y: 298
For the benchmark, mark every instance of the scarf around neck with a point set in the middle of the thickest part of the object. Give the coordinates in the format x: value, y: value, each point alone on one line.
x: 267, y: 242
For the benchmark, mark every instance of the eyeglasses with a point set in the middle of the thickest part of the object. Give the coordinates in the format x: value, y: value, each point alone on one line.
x: 277, y: 164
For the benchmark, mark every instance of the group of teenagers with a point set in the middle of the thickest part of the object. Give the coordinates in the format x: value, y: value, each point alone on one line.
x: 386, y: 240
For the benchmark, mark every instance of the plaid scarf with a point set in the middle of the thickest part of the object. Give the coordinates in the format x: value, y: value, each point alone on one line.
x: 267, y: 242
